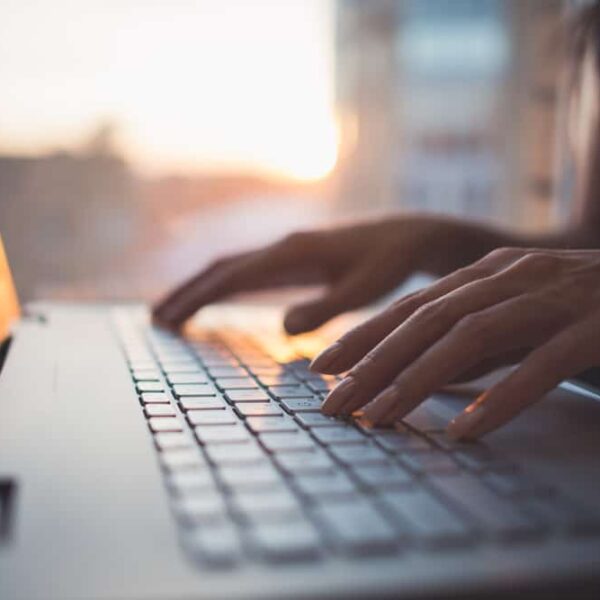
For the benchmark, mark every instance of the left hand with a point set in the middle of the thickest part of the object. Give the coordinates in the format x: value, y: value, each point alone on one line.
x: 537, y: 307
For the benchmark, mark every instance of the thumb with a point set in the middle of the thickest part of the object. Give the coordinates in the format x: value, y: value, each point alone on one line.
x: 361, y: 286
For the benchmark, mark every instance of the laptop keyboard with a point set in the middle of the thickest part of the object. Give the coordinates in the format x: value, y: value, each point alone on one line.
x: 254, y: 471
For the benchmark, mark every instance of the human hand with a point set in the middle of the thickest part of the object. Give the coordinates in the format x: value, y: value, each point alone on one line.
x: 358, y: 263
x: 541, y: 307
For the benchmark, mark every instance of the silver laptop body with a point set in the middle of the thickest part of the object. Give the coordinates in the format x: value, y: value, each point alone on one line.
x: 93, y: 509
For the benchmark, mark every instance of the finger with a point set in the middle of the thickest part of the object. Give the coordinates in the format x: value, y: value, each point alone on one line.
x: 363, y: 284
x: 282, y: 263
x: 399, y: 349
x: 488, y: 334
x: 210, y: 286
x: 160, y: 312
x: 354, y: 344
x: 490, y: 365
x: 571, y: 351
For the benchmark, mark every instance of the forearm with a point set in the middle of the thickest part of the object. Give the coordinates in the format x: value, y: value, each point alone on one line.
x: 574, y: 236
x: 461, y: 242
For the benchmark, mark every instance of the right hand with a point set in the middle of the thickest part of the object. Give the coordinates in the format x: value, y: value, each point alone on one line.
x: 358, y: 263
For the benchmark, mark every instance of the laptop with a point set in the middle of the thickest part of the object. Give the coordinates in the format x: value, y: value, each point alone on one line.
x: 135, y: 464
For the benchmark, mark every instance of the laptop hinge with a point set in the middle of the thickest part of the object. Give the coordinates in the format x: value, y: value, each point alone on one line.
x: 4, y: 346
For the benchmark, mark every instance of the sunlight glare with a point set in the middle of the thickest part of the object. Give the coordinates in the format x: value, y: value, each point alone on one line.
x: 193, y: 85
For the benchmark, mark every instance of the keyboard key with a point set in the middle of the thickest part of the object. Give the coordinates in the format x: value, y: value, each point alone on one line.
x: 139, y: 357
x: 561, y: 513
x: 286, y: 442
x: 425, y: 419
x: 159, y: 410
x: 216, y: 544
x: 191, y: 481
x: 247, y: 396
x: 278, y: 380
x: 397, y: 442
x: 442, y: 440
x: 154, y: 398
x: 290, y: 391
x: 178, y: 378
x: 227, y: 372
x: 212, y: 417
x: 382, y: 476
x: 142, y: 365
x: 264, y: 424
x: 206, y: 507
x: 316, y: 461
x: 480, y: 458
x: 236, y: 383
x: 217, y: 360
x: 196, y: 389
x: 237, y: 454
x: 183, y: 458
x: 357, y: 528
x: 423, y: 516
x: 202, y: 403
x: 279, y: 542
x: 359, y: 454
x: 510, y: 483
x: 182, y: 366
x: 146, y: 375
x: 168, y: 441
x: 319, y: 385
x: 169, y: 359
x: 325, y: 485
x: 268, y: 369
x: 250, y: 476
x: 158, y: 424
x: 429, y: 462
x: 317, y: 419
x: 272, y: 504
x: 149, y: 386
x: 495, y: 515
x: 258, y: 409
x: 302, y: 405
x: 222, y: 434
x: 339, y: 435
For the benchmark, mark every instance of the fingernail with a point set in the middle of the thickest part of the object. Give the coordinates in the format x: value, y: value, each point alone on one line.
x: 365, y: 422
x: 339, y: 396
x: 460, y: 427
x: 327, y: 358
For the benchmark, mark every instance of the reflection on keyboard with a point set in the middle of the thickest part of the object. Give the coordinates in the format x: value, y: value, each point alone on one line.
x: 255, y: 471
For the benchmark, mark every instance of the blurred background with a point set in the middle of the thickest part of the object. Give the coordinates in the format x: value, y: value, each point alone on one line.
x: 139, y: 139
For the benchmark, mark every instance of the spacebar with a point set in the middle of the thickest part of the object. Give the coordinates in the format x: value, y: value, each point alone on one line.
x: 494, y: 514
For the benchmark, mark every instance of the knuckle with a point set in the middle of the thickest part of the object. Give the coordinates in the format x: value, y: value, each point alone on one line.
x: 429, y: 311
x: 504, y: 254
x: 434, y: 311
x: 404, y: 305
x: 476, y: 329
x: 474, y: 271
x: 296, y: 241
x: 539, y: 261
x: 365, y: 365
x: 217, y: 263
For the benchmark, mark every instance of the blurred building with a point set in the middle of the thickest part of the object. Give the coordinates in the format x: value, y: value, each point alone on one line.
x: 449, y: 106
x: 66, y: 217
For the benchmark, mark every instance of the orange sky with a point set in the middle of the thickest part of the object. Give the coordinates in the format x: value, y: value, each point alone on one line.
x: 192, y: 84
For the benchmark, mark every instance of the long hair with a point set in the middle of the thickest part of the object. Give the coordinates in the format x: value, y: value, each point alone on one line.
x: 583, y: 37
x: 583, y: 76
